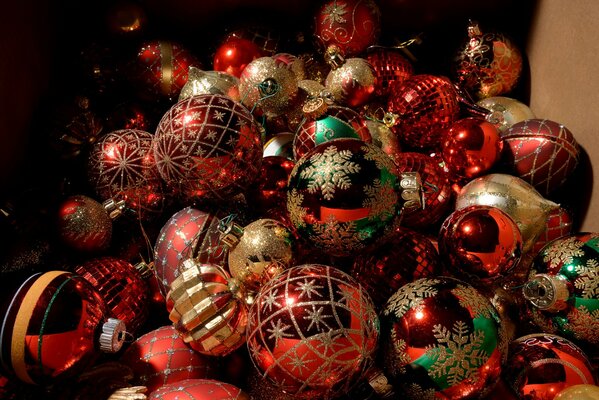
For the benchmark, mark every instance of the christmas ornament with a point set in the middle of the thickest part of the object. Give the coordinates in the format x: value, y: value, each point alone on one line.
x: 122, y: 288
x: 579, y: 392
x: 268, y: 85
x: 271, y: 189
x: 126, y: 19
x: 54, y: 326
x: 207, y: 147
x: 344, y: 195
x: 471, y: 147
x: 160, y: 357
x: 295, y: 64
x: 505, y: 111
x: 86, y: 225
x: 425, y: 105
x: 310, y: 87
x: 261, y: 389
x: 312, y: 331
x: 513, y: 196
x: 264, y: 37
x: 489, y: 64
x: 541, y: 152
x: 389, y: 66
x: 563, y: 287
x: 209, y: 82
x: 541, y: 365
x: 509, y: 305
x: 352, y: 83
x: 337, y: 122
x: 406, y: 257
x: 160, y: 69
x: 441, y: 338
x: 121, y: 166
x: 199, y: 389
x: 129, y: 393
x: 280, y: 145
x: 352, y: 25
x: 559, y: 223
x: 234, y: 54
x: 189, y: 233
x: 208, y: 308
x: 258, y: 252
x: 385, y: 139
x: 435, y: 186
x: 480, y: 242
x: 106, y: 380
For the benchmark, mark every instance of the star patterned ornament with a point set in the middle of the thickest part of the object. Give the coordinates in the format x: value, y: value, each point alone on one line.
x: 312, y: 331
x: 208, y: 147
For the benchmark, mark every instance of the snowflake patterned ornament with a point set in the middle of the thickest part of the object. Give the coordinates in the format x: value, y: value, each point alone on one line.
x: 441, y: 338
x: 208, y: 147
x: 345, y: 195
x: 563, y: 288
x: 312, y: 331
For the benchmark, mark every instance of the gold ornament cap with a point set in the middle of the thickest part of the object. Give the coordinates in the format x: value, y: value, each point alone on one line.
x: 145, y: 270
x: 112, y: 336
x: 114, y: 208
x: 130, y: 393
x: 230, y: 233
x: 412, y: 192
x: 547, y: 292
x: 334, y: 56
x: 380, y: 384
x: 315, y: 108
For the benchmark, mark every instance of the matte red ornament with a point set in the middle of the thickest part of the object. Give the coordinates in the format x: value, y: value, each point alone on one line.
x: 435, y: 185
x: 541, y: 365
x: 270, y: 191
x: 559, y: 223
x: 208, y: 147
x: 407, y: 256
x: 352, y: 25
x: 189, y: 233
x: 389, y: 67
x: 199, y: 389
x: 161, y: 357
x: 235, y: 54
x: 84, y: 224
x: 426, y: 106
x: 160, y: 69
x: 312, y: 331
x: 542, y: 152
x: 480, y: 242
x: 121, y: 287
x: 121, y: 166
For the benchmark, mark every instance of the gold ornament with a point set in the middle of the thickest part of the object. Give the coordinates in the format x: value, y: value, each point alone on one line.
x: 269, y: 86
x: 208, y: 308
x: 515, y: 197
x: 259, y: 251
x: 353, y: 83
x: 209, y: 82
x: 579, y: 392
x: 505, y: 111
x: 129, y: 393
x: 310, y: 87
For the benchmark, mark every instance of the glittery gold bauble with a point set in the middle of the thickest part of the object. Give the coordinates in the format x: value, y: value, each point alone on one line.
x: 208, y: 308
x: 579, y: 392
x: 353, y: 83
x: 268, y: 85
x: 263, y: 251
x: 312, y: 88
x: 209, y: 82
x: 515, y: 197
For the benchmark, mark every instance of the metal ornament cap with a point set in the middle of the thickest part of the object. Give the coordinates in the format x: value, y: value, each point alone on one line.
x: 546, y: 292
x: 112, y: 336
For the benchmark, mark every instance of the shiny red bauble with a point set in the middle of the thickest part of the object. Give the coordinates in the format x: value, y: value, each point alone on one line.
x: 352, y: 25
x: 208, y: 147
x: 389, y: 66
x: 199, y: 389
x: 542, y: 152
x: 471, y: 147
x: 426, y: 105
x: 235, y: 54
x: 270, y: 191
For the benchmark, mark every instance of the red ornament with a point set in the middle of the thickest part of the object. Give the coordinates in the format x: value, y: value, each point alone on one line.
x: 121, y: 166
x: 270, y: 191
x: 121, y: 287
x: 338, y: 122
x: 406, y: 257
x: 471, y: 147
x: 161, y: 357
x: 54, y: 326
x: 312, y: 331
x: 389, y: 67
x: 435, y: 185
x: 480, y: 242
x: 544, y: 153
x: 541, y: 365
x: 84, y: 224
x: 426, y: 106
x: 352, y: 25
x: 264, y: 37
x: 559, y: 223
x: 161, y: 69
x: 208, y: 147
x: 189, y: 233
x: 199, y: 389
x: 235, y: 54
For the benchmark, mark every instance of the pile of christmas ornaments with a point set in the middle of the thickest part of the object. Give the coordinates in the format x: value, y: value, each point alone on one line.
x: 330, y: 224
